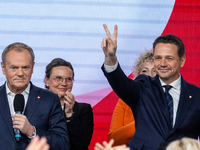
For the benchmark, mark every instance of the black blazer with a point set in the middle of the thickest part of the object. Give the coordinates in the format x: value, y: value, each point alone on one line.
x: 80, y: 128
x: 43, y: 111
x: 145, y: 96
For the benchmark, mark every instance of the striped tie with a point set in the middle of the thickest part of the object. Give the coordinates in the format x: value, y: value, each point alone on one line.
x: 169, y: 100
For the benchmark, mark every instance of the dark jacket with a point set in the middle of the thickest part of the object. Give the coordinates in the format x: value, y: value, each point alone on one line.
x: 80, y: 128
x: 42, y: 111
x: 145, y: 96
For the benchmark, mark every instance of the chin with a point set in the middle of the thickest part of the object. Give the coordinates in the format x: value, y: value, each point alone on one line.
x: 21, y: 86
x: 164, y: 75
x: 61, y: 93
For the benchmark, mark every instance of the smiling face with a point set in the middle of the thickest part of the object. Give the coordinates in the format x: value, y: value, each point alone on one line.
x: 18, y: 69
x: 148, y: 69
x: 60, y: 89
x: 167, y: 63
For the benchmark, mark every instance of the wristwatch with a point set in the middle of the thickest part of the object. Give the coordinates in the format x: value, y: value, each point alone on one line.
x: 34, y: 134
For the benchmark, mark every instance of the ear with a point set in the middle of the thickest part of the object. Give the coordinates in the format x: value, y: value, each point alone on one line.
x: 33, y: 66
x: 3, y: 67
x: 183, y: 59
x: 46, y: 80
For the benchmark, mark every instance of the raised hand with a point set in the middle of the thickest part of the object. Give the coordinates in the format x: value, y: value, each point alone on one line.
x: 108, y: 146
x: 109, y: 46
x: 104, y: 146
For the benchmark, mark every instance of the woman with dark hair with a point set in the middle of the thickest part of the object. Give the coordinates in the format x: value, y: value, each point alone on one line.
x: 59, y: 77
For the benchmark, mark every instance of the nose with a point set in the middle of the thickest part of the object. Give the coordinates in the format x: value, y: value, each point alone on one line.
x: 163, y: 62
x: 64, y: 82
x: 20, y: 72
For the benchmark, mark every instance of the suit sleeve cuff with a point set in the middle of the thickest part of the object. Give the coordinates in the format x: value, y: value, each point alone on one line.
x: 34, y: 134
x: 110, y: 69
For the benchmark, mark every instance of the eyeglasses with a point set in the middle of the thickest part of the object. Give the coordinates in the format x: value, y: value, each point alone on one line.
x: 60, y: 79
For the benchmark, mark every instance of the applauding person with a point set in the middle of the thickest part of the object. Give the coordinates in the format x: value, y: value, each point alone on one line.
x: 79, y: 116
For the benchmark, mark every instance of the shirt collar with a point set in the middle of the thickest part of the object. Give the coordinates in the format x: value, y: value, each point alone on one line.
x: 175, y: 84
x: 26, y: 91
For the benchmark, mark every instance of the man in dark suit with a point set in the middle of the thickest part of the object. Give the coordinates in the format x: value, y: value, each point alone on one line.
x: 161, y: 114
x: 42, y: 113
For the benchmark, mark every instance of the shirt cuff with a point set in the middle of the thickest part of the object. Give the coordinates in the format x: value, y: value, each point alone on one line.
x: 34, y: 134
x: 109, y: 69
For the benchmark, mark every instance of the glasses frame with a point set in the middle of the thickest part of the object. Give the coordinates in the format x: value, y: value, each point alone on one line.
x: 68, y: 80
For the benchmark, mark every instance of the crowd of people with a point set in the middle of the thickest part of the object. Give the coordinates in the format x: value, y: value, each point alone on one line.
x: 157, y: 110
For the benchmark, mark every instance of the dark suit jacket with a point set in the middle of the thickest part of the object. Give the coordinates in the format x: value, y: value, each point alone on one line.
x: 43, y: 111
x: 80, y: 128
x: 145, y: 96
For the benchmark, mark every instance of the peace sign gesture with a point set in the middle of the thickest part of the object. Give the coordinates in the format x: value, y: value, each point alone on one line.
x: 109, y: 46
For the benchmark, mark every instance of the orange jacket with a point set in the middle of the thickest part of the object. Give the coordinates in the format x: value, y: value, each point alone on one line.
x: 122, y: 125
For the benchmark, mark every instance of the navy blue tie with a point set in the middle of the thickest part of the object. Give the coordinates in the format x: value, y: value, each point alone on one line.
x: 169, y: 100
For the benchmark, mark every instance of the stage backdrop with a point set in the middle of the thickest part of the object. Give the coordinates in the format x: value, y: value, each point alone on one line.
x: 73, y: 30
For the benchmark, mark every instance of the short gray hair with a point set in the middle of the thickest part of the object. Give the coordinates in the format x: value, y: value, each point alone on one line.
x: 18, y: 46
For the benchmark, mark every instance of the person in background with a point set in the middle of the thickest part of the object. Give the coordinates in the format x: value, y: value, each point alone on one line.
x: 59, y: 76
x: 38, y: 144
x: 184, y: 144
x: 41, y: 114
x: 122, y: 126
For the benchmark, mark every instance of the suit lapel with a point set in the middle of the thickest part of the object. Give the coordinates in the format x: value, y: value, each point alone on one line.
x: 33, y: 101
x: 186, y: 98
x: 5, y: 111
x: 159, y: 94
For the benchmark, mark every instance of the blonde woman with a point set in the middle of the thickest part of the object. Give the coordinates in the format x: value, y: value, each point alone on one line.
x: 184, y: 144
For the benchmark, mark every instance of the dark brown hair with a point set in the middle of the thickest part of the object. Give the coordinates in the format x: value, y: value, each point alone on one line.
x: 55, y: 63
x: 171, y: 39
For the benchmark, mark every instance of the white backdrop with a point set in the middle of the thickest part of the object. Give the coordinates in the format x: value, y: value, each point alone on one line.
x: 72, y: 30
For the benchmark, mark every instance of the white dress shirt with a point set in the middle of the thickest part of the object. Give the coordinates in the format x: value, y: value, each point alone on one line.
x: 11, y: 96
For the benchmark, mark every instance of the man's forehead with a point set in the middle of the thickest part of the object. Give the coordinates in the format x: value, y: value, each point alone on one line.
x: 165, y: 49
x: 18, y: 51
x: 18, y: 58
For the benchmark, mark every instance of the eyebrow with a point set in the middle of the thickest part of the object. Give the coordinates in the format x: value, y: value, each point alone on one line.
x: 163, y: 56
x: 144, y: 68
